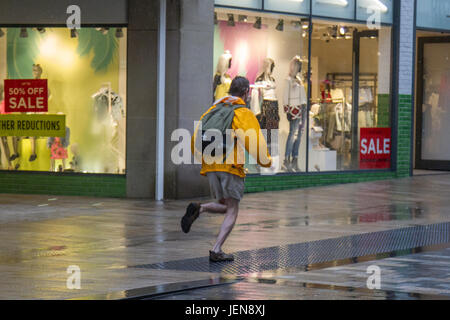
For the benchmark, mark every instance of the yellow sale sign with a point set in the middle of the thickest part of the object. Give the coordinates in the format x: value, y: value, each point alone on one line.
x: 32, y: 125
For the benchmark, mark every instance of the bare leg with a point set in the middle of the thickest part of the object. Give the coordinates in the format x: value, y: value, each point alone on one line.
x: 228, y: 223
x: 213, y: 207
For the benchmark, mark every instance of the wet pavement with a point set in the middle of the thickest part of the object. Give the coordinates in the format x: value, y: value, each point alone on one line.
x: 313, y: 243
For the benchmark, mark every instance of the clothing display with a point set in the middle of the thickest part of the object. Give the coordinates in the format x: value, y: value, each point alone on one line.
x: 221, y: 86
x: 58, y: 146
x: 294, y: 92
x: 296, y: 128
x: 105, y: 99
x: 221, y: 80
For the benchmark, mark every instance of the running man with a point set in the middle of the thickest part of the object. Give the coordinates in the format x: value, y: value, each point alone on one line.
x: 226, y: 178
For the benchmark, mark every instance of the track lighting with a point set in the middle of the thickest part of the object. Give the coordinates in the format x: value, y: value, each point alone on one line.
x: 119, y: 33
x: 73, y: 33
x: 23, y: 33
x: 104, y: 31
x: 257, y: 24
x: 280, y: 25
x: 231, y: 20
x: 343, y: 30
x: 242, y: 18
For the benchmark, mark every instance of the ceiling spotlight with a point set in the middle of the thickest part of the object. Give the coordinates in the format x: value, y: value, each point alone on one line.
x: 343, y: 30
x: 73, y: 33
x: 242, y: 18
x: 119, y: 33
x: 231, y: 20
x: 305, y: 23
x: 215, y: 18
x: 23, y: 33
x: 280, y: 25
x: 104, y: 31
x: 257, y: 24
x: 2, y: 33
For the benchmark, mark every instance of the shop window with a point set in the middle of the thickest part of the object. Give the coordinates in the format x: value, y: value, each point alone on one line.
x: 350, y: 98
x: 272, y: 52
x: 85, y: 72
x: 300, y: 6
x: 334, y: 8
x: 372, y: 10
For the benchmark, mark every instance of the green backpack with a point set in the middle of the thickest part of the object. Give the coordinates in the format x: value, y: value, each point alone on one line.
x: 218, y: 121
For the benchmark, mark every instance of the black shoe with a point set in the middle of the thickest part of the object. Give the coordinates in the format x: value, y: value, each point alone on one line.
x: 32, y: 157
x: 192, y: 213
x: 220, y: 256
x: 14, y: 157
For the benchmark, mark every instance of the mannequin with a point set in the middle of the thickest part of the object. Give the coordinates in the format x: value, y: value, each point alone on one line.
x: 222, y: 80
x: 295, y: 101
x: 37, y: 73
x: 58, y: 147
x: 268, y: 118
x: 4, y: 140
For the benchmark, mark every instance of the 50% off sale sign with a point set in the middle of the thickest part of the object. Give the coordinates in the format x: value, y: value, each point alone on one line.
x: 28, y: 95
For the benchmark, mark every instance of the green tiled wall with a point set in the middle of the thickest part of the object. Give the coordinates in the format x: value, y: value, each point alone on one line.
x: 77, y: 185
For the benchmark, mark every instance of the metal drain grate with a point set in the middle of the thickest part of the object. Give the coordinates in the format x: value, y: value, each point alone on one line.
x: 303, y: 254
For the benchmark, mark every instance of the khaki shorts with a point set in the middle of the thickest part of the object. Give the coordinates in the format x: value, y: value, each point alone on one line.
x: 225, y: 185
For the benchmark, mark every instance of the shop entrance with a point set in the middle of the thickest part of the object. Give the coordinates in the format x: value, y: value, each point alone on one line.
x: 433, y: 104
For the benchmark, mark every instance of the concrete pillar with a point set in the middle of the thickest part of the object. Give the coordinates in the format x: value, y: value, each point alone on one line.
x: 190, y: 42
x: 141, y: 95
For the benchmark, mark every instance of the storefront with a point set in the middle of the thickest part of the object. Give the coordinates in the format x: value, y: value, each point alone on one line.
x: 83, y: 72
x: 332, y: 59
x: 432, y: 151
x: 346, y: 66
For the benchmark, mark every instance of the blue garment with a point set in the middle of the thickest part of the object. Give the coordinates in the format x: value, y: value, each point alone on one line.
x: 296, y: 125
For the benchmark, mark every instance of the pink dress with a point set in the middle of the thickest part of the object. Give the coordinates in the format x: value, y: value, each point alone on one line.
x: 58, y: 151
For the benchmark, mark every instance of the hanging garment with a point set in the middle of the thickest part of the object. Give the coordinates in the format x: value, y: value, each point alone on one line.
x: 343, y: 117
x: 101, y: 105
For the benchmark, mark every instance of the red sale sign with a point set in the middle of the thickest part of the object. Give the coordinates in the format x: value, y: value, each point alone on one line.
x: 26, y: 95
x: 375, y: 148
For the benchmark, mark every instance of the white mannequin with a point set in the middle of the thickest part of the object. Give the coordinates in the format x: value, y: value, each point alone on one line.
x: 222, y: 81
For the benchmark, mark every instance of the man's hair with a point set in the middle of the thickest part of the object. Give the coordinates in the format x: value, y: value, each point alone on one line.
x: 239, y: 86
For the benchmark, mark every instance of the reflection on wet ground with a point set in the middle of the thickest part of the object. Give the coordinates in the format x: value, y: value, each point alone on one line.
x: 42, y: 236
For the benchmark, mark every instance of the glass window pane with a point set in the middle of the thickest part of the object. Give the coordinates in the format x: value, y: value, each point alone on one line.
x: 373, y: 11
x: 334, y: 8
x: 433, y: 14
x: 436, y: 102
x: 293, y: 6
x: 335, y: 121
x: 274, y: 57
x: 85, y: 73
x: 253, y: 4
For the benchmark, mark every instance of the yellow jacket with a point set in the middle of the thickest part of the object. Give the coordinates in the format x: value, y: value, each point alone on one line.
x: 246, y: 129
